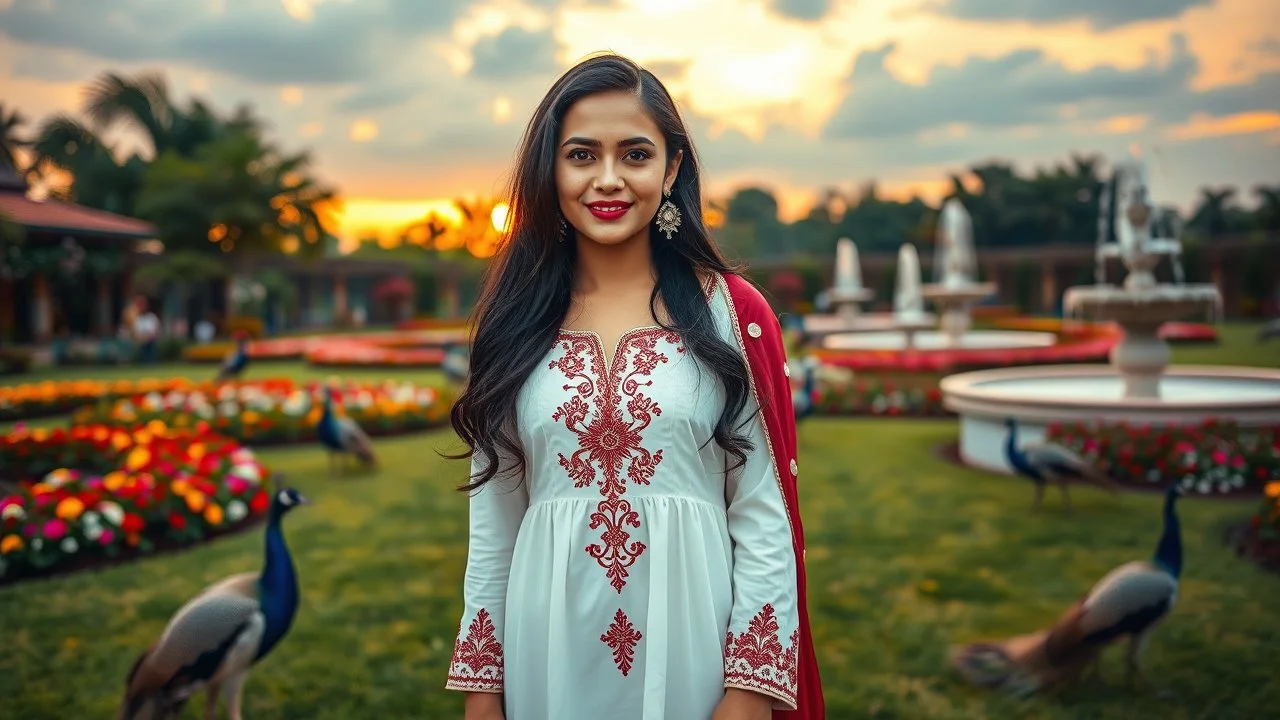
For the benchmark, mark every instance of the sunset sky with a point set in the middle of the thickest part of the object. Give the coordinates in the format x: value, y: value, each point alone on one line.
x: 409, y: 102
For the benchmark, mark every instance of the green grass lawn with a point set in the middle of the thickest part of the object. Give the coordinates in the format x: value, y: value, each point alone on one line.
x: 907, y: 554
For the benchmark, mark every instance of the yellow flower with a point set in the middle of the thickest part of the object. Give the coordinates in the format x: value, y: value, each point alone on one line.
x: 142, y: 437
x: 39, y: 434
x: 155, y: 427
x: 121, y: 440
x: 138, y: 458
x: 213, y: 514
x: 196, y: 451
x: 113, y: 481
x: 70, y: 508
x: 195, y: 501
x: 250, y: 417
x: 41, y: 488
x: 180, y: 487
x: 10, y: 543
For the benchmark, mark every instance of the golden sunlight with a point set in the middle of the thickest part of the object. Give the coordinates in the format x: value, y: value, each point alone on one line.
x: 1202, y: 125
x: 501, y: 217
x: 374, y: 218
x: 363, y: 131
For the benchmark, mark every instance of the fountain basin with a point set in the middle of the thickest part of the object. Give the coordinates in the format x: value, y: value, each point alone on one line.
x: 933, y: 340
x: 1154, y: 304
x: 1039, y: 396
x: 822, y: 325
x: 957, y: 293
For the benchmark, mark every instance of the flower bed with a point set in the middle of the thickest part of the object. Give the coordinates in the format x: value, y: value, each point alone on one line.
x: 408, y: 348
x: 1214, y: 458
x: 278, y: 410
x: 1259, y: 540
x: 93, y: 493
x: 46, y: 398
x: 1171, y: 332
x: 877, y: 396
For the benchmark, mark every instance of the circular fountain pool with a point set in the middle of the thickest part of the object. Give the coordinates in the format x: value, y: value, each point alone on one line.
x: 934, y: 340
x: 1039, y: 396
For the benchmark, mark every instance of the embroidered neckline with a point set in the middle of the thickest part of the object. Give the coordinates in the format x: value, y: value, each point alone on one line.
x: 708, y: 291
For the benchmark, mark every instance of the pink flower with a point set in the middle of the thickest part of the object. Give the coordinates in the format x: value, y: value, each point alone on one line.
x: 237, y: 484
x: 1219, y: 457
x: 106, y: 537
x: 55, y: 529
x: 1237, y: 462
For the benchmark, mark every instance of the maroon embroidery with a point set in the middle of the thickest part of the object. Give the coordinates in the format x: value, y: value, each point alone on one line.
x: 622, y: 637
x: 757, y: 660
x: 477, y: 659
x: 607, y: 439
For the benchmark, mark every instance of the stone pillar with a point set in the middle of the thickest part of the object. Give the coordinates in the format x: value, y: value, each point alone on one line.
x: 102, y: 307
x: 339, y: 296
x: 1048, y: 288
x: 41, y: 310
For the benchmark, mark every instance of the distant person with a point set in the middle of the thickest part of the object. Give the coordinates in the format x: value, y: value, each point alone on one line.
x: 146, y: 332
x: 205, y: 331
x: 635, y: 543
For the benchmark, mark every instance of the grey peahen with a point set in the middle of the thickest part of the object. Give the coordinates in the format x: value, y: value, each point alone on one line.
x: 1129, y: 602
x: 1042, y: 463
x: 216, y: 637
x: 343, y: 436
x: 236, y: 361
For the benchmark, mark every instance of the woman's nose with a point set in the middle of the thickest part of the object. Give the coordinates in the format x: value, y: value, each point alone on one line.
x: 608, y: 179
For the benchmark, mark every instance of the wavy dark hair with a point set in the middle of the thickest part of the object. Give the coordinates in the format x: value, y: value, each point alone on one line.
x: 525, y: 294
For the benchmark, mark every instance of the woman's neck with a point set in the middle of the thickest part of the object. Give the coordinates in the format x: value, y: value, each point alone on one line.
x: 617, y: 267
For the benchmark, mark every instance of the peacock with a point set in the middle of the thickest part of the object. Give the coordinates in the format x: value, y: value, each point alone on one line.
x: 1269, y: 330
x: 456, y: 363
x: 1128, y: 602
x: 802, y: 400
x: 213, y: 640
x: 237, y: 360
x: 1042, y: 463
x: 342, y: 436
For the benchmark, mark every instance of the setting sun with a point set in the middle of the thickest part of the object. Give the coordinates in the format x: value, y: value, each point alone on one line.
x: 500, y: 217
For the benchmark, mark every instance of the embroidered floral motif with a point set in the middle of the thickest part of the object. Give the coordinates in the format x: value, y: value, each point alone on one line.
x: 622, y: 637
x: 477, y: 659
x: 608, y: 440
x: 757, y: 660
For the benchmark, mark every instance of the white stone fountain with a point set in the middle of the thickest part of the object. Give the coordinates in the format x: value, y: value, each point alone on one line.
x: 1139, y: 387
x: 847, y: 291
x: 955, y: 288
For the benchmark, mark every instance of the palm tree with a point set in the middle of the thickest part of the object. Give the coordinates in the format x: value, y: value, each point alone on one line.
x: 1267, y: 214
x: 79, y: 166
x: 1211, y: 216
x: 144, y: 102
x: 10, y: 121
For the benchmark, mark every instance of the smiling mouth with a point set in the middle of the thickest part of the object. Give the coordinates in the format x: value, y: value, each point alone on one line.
x: 608, y: 210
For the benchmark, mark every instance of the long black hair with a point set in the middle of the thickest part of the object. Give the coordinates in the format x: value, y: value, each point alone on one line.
x: 525, y: 294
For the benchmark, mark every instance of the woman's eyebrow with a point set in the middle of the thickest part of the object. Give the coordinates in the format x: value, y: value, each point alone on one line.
x: 589, y: 142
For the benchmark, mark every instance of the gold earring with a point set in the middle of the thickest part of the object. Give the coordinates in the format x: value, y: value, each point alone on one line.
x: 564, y: 229
x: 668, y: 216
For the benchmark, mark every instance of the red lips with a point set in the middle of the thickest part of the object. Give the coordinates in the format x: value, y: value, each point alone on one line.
x: 609, y: 209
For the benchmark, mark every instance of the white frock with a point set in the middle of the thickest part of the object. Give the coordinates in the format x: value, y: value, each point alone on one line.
x: 627, y: 577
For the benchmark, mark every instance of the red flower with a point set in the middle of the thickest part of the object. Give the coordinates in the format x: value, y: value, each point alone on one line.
x: 132, y: 523
x: 259, y: 502
x: 177, y: 521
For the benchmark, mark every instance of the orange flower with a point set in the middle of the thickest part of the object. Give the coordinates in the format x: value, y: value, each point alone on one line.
x: 213, y: 514
x: 179, y: 487
x: 196, y: 451
x: 10, y: 543
x: 41, y: 488
x: 196, y: 501
x: 1273, y: 489
x: 121, y: 440
x: 70, y: 508
x: 138, y: 459
x: 113, y: 481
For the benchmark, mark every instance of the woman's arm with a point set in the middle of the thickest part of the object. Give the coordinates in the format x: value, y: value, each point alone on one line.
x: 496, y: 510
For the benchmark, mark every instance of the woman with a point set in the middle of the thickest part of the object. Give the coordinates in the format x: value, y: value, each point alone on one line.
x: 635, y: 547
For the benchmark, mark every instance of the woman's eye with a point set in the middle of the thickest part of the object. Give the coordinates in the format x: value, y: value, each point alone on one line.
x: 637, y: 156
x: 579, y: 154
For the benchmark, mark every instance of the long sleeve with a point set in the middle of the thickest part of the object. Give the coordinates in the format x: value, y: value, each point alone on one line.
x: 495, y: 514
x: 761, y: 646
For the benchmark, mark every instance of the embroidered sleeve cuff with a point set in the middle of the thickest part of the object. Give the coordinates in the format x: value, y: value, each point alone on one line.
x: 477, y: 658
x: 757, y: 660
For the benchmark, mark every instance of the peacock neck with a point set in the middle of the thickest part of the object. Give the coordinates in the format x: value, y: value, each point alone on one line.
x: 1011, y: 444
x: 279, y: 586
x: 1169, y: 550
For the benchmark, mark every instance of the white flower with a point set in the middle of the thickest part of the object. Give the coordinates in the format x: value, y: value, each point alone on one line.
x: 229, y: 408
x: 1154, y: 475
x: 236, y: 511
x: 1237, y: 481
x: 69, y: 545
x: 247, y: 471
x: 112, y: 512
x: 92, y: 532
x: 14, y: 512
x: 879, y: 404
x: 90, y: 518
x: 153, y: 401
x: 37, y: 544
x: 1203, y: 487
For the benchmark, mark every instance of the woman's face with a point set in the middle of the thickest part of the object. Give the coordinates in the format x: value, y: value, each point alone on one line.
x: 611, y: 168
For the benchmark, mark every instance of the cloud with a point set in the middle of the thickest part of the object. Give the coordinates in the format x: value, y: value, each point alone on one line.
x: 513, y: 53
x: 1100, y: 14
x: 375, y: 97
x: 802, y: 9
x: 261, y: 42
x: 1020, y: 88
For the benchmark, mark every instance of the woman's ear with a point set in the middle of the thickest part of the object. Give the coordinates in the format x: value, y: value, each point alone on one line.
x: 673, y: 169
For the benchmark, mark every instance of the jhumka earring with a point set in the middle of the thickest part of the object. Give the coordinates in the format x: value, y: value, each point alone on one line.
x: 668, y: 216
x: 564, y: 229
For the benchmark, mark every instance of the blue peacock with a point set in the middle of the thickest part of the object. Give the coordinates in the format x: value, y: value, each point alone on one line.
x: 237, y: 360
x: 213, y: 640
x: 342, y: 436
x: 802, y: 397
x: 1043, y: 463
x: 1128, y: 602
